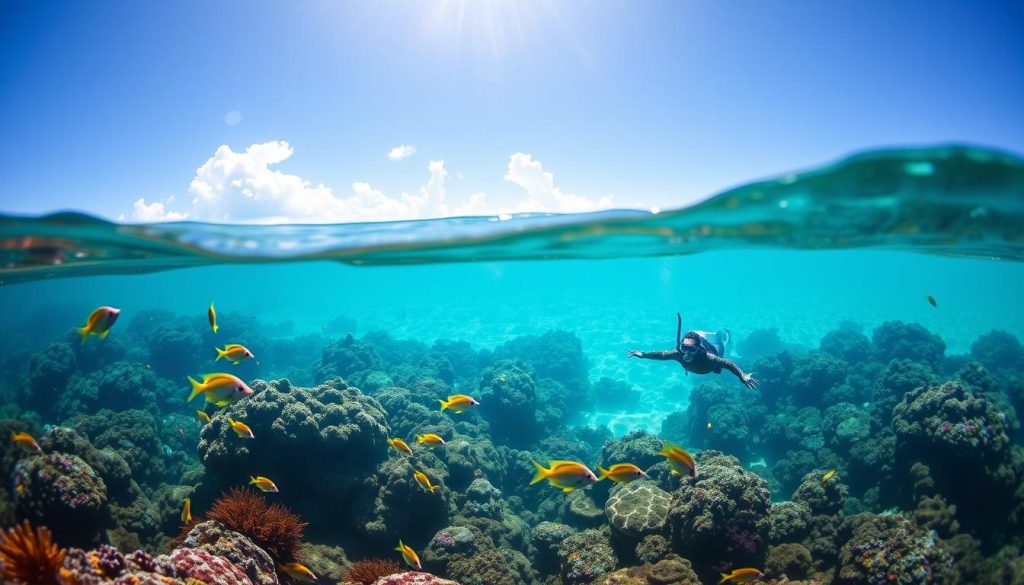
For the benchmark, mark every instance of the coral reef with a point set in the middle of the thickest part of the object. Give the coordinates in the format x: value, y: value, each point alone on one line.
x: 638, y: 508
x: 216, y: 539
x: 585, y: 556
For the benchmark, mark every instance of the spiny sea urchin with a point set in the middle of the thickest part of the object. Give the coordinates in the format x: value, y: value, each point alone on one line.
x: 367, y: 571
x: 273, y: 527
x: 29, y: 556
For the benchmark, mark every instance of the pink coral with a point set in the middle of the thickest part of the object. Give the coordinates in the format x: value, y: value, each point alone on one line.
x: 201, y: 565
x: 413, y: 578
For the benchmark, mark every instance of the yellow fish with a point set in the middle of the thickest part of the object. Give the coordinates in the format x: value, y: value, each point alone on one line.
x: 20, y: 488
x: 621, y: 472
x: 212, y: 316
x: 709, y: 425
x: 400, y: 446
x: 829, y: 475
x: 679, y: 460
x: 424, y: 481
x: 27, y: 441
x: 931, y: 301
x: 186, y: 512
x: 458, y: 403
x: 409, y: 555
x: 220, y: 389
x: 741, y: 576
x: 298, y: 571
x: 241, y: 429
x: 203, y: 417
x: 236, y: 353
x: 429, y: 439
x: 264, y: 484
x: 99, y: 323
x: 564, y: 475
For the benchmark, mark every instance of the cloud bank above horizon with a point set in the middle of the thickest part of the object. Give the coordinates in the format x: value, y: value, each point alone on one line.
x: 245, y: 187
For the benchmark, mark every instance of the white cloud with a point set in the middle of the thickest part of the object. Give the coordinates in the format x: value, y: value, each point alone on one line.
x: 400, y: 152
x: 246, y: 187
x: 541, y: 192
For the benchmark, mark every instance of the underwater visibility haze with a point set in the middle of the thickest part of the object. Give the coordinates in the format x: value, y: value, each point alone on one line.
x: 427, y: 366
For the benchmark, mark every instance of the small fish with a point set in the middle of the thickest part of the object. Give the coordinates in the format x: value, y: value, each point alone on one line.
x: 212, y: 316
x: 202, y: 417
x: 236, y: 353
x: 241, y: 429
x: 400, y: 446
x: 679, y: 460
x: 424, y: 481
x: 27, y: 441
x: 298, y: 571
x: 220, y: 389
x: 564, y: 475
x: 931, y: 300
x: 829, y: 475
x: 458, y: 403
x: 20, y: 488
x: 186, y: 512
x: 429, y: 439
x: 709, y: 425
x: 621, y: 472
x: 410, y: 556
x: 741, y: 576
x: 149, y: 367
x: 181, y: 432
x: 99, y: 323
x: 264, y: 484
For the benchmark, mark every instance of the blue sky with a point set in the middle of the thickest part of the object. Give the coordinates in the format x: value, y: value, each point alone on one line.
x: 558, y: 106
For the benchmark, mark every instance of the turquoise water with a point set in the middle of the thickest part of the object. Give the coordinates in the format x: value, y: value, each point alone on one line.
x: 848, y: 247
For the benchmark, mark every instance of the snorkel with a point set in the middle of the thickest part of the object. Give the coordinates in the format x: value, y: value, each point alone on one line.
x: 679, y: 330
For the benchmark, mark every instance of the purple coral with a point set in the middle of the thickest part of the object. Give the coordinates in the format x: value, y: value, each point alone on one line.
x: 212, y: 570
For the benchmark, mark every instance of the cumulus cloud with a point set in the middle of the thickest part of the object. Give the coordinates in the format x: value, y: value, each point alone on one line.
x: 246, y: 187
x: 399, y: 152
x: 541, y: 192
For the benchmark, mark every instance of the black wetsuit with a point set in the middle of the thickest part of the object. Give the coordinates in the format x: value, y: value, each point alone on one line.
x: 703, y: 362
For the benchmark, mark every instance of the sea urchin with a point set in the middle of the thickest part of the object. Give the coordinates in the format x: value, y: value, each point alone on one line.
x: 30, y: 557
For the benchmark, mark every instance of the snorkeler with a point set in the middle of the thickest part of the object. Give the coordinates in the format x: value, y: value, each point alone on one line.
x: 699, y: 352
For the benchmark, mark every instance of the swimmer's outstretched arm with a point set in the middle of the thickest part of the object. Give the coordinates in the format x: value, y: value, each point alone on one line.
x: 730, y: 365
x: 655, y: 355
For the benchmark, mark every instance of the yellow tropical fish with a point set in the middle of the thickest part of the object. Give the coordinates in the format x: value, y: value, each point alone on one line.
x: 400, y: 446
x: 99, y: 323
x: 241, y: 429
x: 410, y: 556
x: 424, y: 481
x: 458, y: 403
x: 621, y: 472
x: 564, y: 475
x: 829, y: 475
x: 212, y: 316
x: 186, y: 512
x: 236, y: 353
x: 741, y: 576
x: 20, y: 489
x: 679, y: 460
x: 27, y: 441
x: 429, y: 439
x: 220, y: 389
x: 203, y: 417
x: 298, y: 572
x: 264, y: 484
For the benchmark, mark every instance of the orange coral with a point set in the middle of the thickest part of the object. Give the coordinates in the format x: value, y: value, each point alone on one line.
x: 29, y: 556
x: 367, y: 571
x: 271, y: 526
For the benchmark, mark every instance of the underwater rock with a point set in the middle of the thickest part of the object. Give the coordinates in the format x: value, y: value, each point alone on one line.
x: 176, y: 349
x: 638, y: 447
x: 790, y: 522
x: 933, y: 513
x: 821, y: 497
x: 107, y: 565
x: 451, y: 543
x: 790, y: 470
x: 773, y: 374
x: 580, y: 510
x: 899, y: 340
x: 638, y: 508
x: 216, y: 539
x: 653, y: 548
x: 133, y: 435
x: 116, y: 474
x: 119, y: 386
x: 898, y: 378
x: 494, y: 566
x: 672, y: 571
x: 546, y: 538
x: 328, y: 563
x: 847, y: 343
x: 466, y: 456
x: 814, y: 374
x: 331, y: 423
x: 414, y: 578
x: 62, y: 492
x: 482, y: 500
x: 398, y: 506
x: 557, y: 355
x: 890, y: 549
x: 508, y: 395
x: 198, y: 564
x: 722, y: 515
x: 585, y: 556
x: 790, y: 560
x: 346, y: 358
x: 1000, y: 352
x: 410, y: 414
x: 844, y: 425
x: 48, y: 374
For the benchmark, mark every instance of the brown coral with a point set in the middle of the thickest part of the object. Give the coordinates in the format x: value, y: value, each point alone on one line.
x: 367, y: 571
x: 271, y: 526
x: 29, y: 556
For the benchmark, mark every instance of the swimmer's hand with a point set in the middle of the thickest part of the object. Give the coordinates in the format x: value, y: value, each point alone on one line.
x: 634, y: 353
x: 749, y: 381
